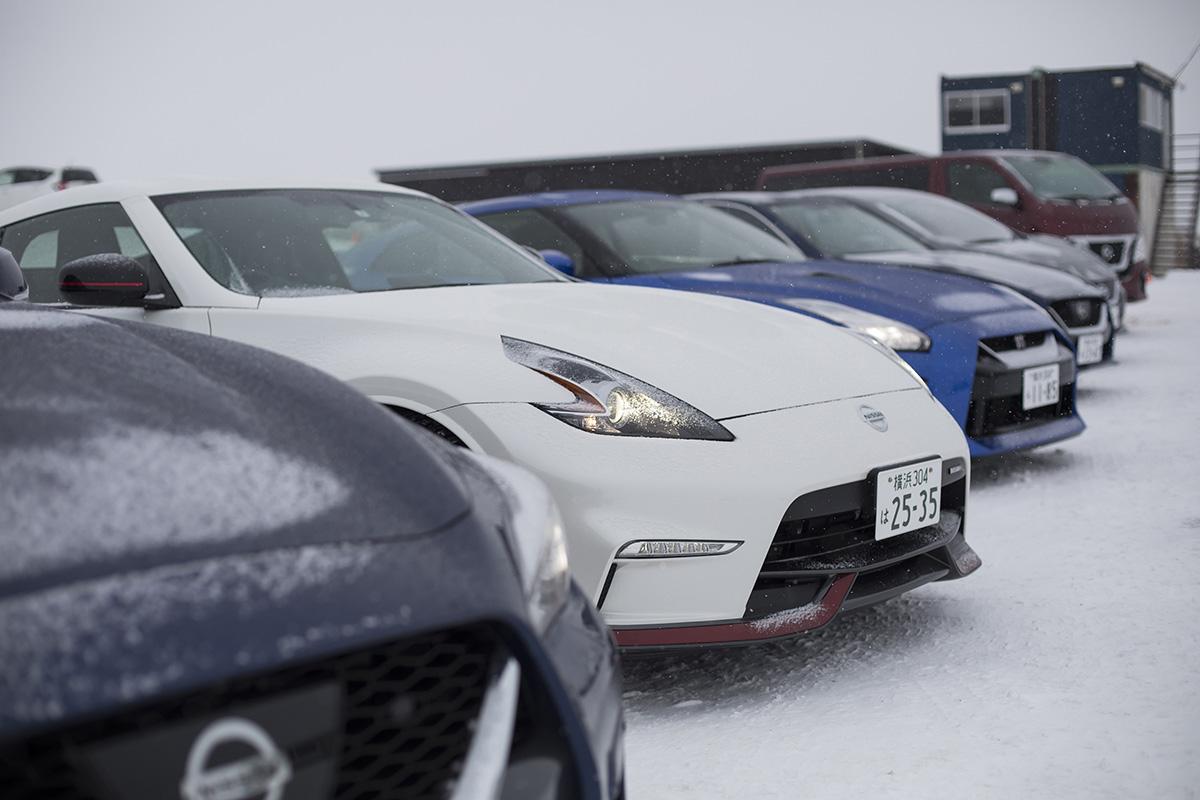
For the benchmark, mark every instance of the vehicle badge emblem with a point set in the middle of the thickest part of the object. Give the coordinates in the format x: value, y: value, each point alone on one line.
x: 1108, y: 253
x: 1019, y: 341
x: 259, y: 769
x: 874, y: 418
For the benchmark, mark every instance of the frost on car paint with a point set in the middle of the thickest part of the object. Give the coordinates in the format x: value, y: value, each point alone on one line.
x: 51, y: 636
x: 34, y: 319
x: 125, y: 489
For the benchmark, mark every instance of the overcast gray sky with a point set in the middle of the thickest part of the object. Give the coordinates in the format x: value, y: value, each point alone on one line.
x: 151, y: 87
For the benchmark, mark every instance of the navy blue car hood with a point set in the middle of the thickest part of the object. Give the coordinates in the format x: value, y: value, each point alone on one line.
x: 1042, y: 284
x: 920, y: 298
x: 129, y: 446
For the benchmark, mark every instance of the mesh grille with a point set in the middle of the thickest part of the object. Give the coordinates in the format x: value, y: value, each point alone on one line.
x: 440, y: 680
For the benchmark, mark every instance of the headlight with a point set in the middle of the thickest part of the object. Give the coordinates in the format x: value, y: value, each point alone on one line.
x: 1139, y: 249
x: 535, y: 534
x: 610, y: 402
x: 888, y: 332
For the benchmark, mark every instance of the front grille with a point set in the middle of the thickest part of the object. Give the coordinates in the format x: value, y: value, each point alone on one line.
x: 1112, y: 251
x: 439, y: 680
x: 832, y: 531
x: 1016, y: 341
x: 1079, y: 312
x: 991, y: 416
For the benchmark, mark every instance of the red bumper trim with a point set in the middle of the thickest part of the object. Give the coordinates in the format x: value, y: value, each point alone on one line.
x: 803, y: 619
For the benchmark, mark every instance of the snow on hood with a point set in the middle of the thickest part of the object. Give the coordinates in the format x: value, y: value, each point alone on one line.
x: 921, y: 298
x: 726, y: 357
x: 125, y: 489
x: 1052, y: 251
x: 131, y: 446
x: 1044, y: 284
x: 60, y: 644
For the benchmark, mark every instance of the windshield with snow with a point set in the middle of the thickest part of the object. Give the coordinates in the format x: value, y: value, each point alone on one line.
x: 837, y: 229
x: 322, y: 241
x: 938, y: 217
x: 652, y: 236
x: 1059, y: 177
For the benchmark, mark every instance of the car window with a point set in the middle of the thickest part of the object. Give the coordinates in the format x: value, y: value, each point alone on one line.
x: 531, y: 228
x: 43, y: 244
x: 652, y: 236
x: 973, y: 181
x: 78, y: 175
x: 835, y: 229
x: 325, y: 241
x: 23, y: 175
x: 1060, y: 177
x: 935, y: 216
x: 750, y: 216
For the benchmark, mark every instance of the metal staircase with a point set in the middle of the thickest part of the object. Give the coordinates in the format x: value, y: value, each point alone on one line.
x: 1175, y: 229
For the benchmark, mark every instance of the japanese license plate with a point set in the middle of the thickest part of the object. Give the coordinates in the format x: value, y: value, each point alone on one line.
x: 907, y: 498
x: 1090, y: 349
x: 1040, y: 387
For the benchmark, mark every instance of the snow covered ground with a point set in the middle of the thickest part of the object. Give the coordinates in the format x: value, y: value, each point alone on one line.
x: 1068, y: 666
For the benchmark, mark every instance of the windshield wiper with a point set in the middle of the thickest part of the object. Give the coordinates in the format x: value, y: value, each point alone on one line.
x: 733, y: 262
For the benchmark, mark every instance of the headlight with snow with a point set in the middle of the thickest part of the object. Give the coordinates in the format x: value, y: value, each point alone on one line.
x: 888, y: 332
x: 610, y: 402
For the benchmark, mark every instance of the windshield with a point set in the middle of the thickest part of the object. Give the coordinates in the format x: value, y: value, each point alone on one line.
x: 674, y: 235
x: 938, y: 217
x: 837, y: 229
x: 22, y: 175
x: 321, y: 241
x: 1059, y: 177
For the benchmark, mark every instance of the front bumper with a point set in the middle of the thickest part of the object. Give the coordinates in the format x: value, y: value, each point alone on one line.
x: 613, y: 490
x: 975, y: 370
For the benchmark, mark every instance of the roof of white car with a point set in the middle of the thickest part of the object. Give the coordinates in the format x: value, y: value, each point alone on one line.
x: 116, y: 191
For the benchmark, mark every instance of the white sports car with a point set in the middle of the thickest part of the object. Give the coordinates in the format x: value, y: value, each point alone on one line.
x: 727, y: 471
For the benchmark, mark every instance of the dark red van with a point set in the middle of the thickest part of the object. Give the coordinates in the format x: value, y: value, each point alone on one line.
x: 1034, y: 191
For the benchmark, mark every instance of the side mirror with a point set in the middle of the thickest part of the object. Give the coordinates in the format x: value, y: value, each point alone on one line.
x: 106, y: 279
x: 1004, y: 196
x: 559, y: 260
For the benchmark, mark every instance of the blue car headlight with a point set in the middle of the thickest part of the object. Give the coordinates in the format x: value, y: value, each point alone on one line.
x: 610, y: 402
x: 888, y: 332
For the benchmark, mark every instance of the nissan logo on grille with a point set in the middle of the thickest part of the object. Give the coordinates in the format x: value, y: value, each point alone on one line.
x: 874, y: 418
x: 249, y: 766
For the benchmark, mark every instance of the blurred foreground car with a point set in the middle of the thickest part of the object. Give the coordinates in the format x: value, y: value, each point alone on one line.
x: 709, y: 495
x: 834, y: 226
x: 944, y: 224
x: 998, y: 363
x: 227, y: 575
x: 18, y: 184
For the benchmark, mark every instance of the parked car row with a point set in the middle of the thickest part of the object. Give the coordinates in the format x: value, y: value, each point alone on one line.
x: 237, y: 571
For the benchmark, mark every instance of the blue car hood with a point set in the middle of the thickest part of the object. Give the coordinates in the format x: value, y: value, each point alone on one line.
x: 919, y: 298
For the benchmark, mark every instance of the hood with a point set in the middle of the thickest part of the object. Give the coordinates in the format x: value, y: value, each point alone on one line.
x: 723, y: 356
x: 920, y: 298
x: 1041, y: 284
x: 130, y: 447
x: 1052, y: 251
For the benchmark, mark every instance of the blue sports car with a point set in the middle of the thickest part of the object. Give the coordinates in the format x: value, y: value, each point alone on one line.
x: 998, y: 362
x: 227, y: 575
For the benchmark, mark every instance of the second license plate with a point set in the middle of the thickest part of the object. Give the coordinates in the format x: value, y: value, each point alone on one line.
x: 1090, y: 349
x: 1040, y: 387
